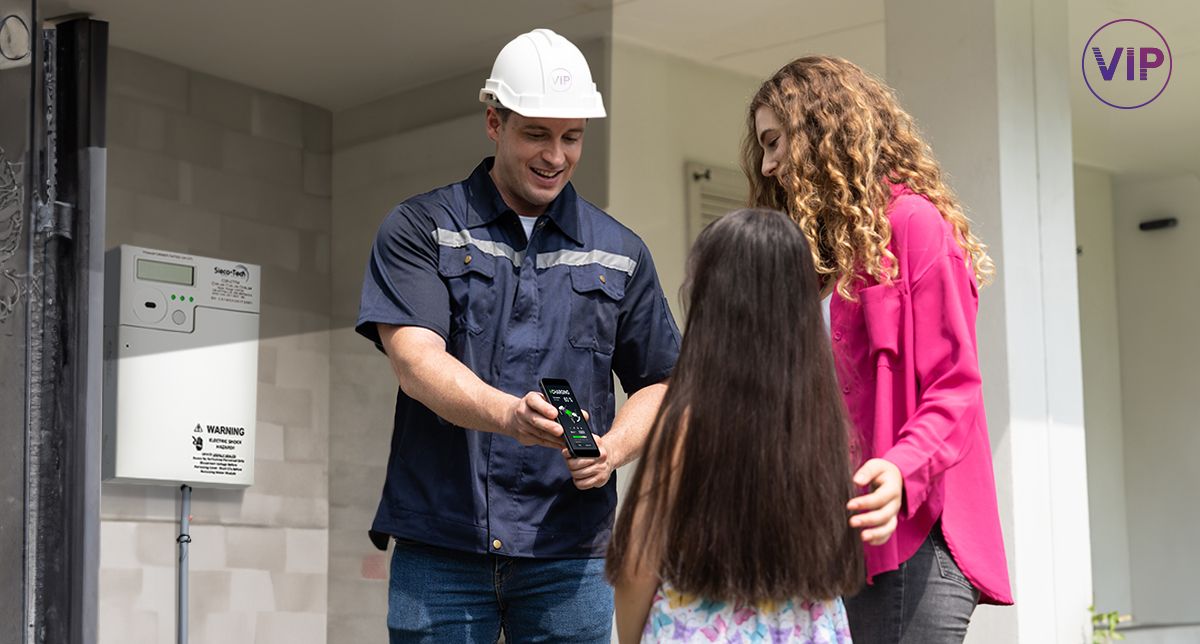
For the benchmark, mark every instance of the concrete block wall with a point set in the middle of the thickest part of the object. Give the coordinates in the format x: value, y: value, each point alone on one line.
x: 201, y: 165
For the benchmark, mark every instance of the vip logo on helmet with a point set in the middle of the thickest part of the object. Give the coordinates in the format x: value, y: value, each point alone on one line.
x: 560, y: 80
x: 1127, y: 63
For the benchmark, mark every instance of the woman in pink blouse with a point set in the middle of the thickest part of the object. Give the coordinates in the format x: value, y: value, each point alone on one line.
x: 830, y: 145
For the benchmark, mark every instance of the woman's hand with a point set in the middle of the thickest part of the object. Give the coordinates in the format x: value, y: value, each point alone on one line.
x: 875, y: 512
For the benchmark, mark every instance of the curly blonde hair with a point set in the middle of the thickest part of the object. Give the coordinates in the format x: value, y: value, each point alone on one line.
x: 848, y: 139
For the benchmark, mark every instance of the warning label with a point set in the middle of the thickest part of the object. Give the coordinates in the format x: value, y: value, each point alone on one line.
x: 219, y: 450
x: 225, y: 464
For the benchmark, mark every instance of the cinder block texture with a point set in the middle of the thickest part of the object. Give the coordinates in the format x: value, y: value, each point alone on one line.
x: 202, y: 165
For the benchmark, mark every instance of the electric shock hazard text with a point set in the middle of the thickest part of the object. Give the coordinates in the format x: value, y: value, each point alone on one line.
x: 218, y: 463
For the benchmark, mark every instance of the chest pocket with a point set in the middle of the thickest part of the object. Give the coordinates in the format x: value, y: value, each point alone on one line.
x: 882, y: 310
x: 469, y: 276
x: 596, y: 304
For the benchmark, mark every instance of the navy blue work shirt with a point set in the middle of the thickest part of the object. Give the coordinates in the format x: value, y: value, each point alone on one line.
x: 579, y: 300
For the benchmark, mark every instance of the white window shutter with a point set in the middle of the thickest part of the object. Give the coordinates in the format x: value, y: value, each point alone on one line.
x: 712, y: 193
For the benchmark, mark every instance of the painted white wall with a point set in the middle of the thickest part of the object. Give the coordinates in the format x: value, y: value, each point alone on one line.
x: 1166, y: 635
x: 1102, y: 389
x: 1159, y: 316
x: 667, y: 111
x: 983, y: 80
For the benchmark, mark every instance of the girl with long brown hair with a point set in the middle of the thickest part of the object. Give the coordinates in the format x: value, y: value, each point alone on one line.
x: 736, y: 523
x: 830, y: 145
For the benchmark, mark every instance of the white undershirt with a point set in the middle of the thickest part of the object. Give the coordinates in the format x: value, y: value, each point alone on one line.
x: 528, y: 223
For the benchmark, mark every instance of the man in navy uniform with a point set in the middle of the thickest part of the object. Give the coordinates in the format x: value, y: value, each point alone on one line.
x: 476, y: 291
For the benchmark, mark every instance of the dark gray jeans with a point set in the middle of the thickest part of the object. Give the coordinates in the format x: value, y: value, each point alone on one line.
x: 926, y: 601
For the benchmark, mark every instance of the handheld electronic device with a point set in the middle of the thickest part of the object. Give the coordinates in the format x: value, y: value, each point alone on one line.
x: 576, y: 433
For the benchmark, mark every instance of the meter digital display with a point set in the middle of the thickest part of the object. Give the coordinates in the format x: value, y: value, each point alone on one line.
x: 165, y: 272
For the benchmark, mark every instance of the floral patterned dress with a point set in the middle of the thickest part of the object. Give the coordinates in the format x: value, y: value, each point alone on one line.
x: 679, y: 617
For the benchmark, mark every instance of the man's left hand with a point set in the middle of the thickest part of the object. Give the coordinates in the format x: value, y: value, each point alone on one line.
x: 591, y: 472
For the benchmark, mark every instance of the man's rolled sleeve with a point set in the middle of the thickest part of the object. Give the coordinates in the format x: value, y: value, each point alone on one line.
x: 647, y: 337
x: 402, y: 286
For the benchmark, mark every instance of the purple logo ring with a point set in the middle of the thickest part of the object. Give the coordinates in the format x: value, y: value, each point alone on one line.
x: 1087, y: 47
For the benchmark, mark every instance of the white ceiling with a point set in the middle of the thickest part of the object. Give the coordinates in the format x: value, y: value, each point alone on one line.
x: 756, y: 37
x: 343, y: 54
x: 367, y: 49
x: 333, y: 54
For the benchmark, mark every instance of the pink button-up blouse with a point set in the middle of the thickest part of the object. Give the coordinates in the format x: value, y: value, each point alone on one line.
x: 908, y: 365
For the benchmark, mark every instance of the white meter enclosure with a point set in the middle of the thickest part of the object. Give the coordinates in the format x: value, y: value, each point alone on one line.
x: 180, y: 368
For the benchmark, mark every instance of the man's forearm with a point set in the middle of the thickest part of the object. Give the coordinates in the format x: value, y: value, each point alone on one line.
x: 433, y: 377
x: 632, y: 424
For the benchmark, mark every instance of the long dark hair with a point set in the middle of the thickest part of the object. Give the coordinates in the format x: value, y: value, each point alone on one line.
x: 749, y: 458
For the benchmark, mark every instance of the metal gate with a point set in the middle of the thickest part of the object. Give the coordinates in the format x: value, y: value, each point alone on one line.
x: 52, y: 177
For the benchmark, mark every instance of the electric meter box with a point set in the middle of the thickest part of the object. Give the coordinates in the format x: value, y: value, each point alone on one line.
x: 180, y: 368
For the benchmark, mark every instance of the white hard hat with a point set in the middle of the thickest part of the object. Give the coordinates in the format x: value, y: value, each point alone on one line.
x: 540, y: 74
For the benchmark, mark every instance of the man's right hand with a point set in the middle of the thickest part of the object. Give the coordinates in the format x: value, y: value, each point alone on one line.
x: 531, y: 420
x: 436, y: 379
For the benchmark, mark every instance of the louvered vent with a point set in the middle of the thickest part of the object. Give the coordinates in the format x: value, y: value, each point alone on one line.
x: 712, y: 193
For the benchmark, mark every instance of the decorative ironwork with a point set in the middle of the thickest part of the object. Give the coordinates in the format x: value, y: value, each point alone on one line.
x: 50, y: 109
x: 12, y: 220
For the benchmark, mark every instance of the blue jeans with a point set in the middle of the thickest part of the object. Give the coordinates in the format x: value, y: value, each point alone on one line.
x: 439, y: 595
x: 926, y: 601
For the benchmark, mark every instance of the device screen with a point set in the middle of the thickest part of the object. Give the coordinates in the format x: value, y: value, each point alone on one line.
x: 165, y: 272
x: 576, y: 432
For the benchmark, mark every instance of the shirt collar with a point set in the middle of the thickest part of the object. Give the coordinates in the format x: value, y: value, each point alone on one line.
x: 898, y: 189
x: 486, y: 204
